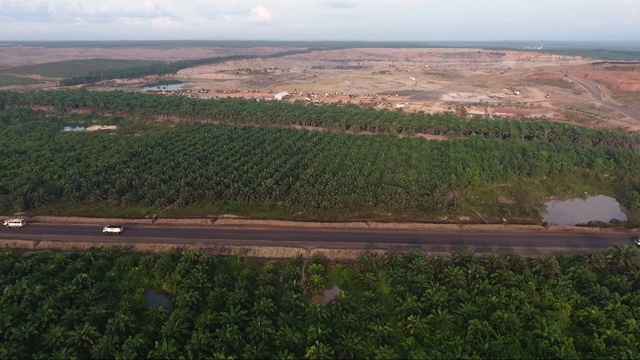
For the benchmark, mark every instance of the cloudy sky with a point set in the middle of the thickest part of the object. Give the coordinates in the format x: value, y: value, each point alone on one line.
x: 410, y: 20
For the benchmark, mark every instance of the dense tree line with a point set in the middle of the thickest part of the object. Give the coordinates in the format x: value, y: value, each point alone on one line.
x: 166, y: 68
x: 311, y: 172
x: 91, y: 305
x: 343, y: 117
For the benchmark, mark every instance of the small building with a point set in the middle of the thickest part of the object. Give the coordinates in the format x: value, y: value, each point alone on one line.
x: 281, y: 95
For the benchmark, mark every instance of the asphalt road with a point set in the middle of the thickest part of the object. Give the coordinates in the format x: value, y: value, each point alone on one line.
x: 599, y: 96
x: 527, y: 242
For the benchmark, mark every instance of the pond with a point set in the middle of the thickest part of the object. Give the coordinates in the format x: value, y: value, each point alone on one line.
x: 74, y: 129
x: 581, y: 211
x: 158, y: 298
x: 326, y: 296
x: 172, y: 87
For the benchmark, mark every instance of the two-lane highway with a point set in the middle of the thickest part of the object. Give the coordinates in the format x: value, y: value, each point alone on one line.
x: 435, y: 241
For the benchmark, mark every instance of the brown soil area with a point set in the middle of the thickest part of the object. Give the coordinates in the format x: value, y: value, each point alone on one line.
x: 30, y: 55
x: 615, y: 77
x: 620, y: 83
x: 504, y: 83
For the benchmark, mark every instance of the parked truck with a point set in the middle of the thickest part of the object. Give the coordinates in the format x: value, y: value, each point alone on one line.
x: 112, y: 229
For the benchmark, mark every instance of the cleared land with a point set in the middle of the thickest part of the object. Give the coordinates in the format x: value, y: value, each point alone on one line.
x: 501, y: 83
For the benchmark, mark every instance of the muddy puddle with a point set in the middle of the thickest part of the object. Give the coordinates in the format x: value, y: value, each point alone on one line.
x: 172, y: 87
x: 157, y: 298
x: 581, y: 211
x: 326, y: 296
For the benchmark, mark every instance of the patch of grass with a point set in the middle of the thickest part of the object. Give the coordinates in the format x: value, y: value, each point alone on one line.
x: 628, y: 99
x: 528, y: 197
x: 554, y: 83
x: 587, y: 113
x: 70, y: 68
x: 621, y: 68
x: 9, y: 80
x: 441, y: 74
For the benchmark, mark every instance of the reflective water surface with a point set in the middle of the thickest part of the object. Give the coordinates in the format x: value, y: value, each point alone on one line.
x: 581, y: 211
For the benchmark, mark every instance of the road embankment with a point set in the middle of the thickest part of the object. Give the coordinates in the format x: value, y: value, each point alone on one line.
x: 263, y: 252
x: 234, y: 221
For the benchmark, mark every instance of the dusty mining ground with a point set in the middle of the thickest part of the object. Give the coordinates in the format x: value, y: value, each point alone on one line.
x: 500, y: 83
x: 503, y: 83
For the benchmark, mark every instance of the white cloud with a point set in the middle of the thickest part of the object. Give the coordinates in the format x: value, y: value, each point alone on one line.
x: 324, y: 19
x: 261, y: 13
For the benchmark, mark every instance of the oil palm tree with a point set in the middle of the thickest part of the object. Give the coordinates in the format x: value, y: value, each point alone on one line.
x: 319, y: 351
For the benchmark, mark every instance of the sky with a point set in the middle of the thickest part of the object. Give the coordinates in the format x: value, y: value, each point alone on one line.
x: 367, y: 20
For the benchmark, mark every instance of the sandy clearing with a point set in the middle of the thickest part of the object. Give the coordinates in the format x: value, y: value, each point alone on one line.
x: 101, y: 127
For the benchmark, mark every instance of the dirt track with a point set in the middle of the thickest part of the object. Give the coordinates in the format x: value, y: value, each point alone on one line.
x: 599, y: 96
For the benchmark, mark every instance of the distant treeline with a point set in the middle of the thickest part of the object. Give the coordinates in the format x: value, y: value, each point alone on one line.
x: 605, y: 54
x: 339, y: 117
x: 616, y: 62
x: 167, y: 68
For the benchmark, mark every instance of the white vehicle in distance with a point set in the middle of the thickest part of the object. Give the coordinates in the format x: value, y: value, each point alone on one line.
x: 14, y: 223
x: 112, y: 229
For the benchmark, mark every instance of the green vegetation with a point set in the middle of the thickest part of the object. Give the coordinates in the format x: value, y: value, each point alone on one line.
x: 196, y: 169
x: 441, y: 74
x: 8, y: 80
x: 163, y: 69
x: 554, y: 83
x: 274, y: 172
x: 622, y: 68
x: 146, y: 107
x: 604, y: 54
x: 73, y: 68
x: 92, y: 305
x: 630, y: 99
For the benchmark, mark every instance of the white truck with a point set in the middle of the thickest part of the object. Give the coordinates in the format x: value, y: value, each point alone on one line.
x: 14, y: 223
x: 636, y: 240
x: 112, y: 229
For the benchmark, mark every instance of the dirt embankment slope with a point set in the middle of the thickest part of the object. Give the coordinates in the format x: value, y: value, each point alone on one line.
x: 264, y: 252
x: 235, y: 221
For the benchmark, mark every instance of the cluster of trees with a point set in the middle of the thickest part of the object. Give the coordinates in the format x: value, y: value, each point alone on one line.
x: 343, y: 117
x: 92, y: 304
x: 167, y: 68
x: 309, y: 171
